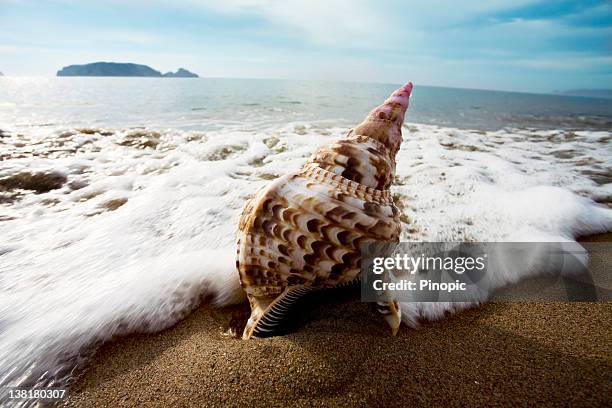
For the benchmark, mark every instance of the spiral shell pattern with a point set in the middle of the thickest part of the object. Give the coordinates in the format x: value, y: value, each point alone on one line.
x: 304, y: 230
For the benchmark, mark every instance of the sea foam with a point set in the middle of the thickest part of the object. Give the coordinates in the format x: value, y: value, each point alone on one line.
x: 140, y: 229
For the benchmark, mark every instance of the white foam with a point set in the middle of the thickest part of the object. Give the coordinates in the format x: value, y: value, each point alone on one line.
x: 152, y: 230
x: 459, y: 185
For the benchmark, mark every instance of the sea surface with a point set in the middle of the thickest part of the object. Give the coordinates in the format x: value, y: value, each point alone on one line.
x: 119, y: 197
x: 211, y: 104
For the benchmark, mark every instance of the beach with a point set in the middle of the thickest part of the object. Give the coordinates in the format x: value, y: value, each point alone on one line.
x: 545, y: 354
x: 498, y: 354
x: 119, y: 201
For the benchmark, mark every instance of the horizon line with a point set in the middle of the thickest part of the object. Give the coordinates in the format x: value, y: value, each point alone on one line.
x: 555, y: 92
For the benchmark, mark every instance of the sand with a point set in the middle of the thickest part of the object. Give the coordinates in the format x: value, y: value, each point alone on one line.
x: 499, y: 354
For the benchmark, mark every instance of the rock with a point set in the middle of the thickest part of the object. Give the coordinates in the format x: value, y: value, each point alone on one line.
x: 42, y: 182
x: 112, y: 205
x: 181, y: 73
x: 141, y: 138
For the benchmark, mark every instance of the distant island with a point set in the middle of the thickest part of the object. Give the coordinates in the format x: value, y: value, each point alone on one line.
x: 117, y: 69
x: 591, y: 93
x: 181, y: 73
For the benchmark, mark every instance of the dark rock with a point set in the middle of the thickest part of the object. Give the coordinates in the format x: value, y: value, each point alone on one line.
x: 141, y: 138
x: 39, y: 182
x: 77, y: 184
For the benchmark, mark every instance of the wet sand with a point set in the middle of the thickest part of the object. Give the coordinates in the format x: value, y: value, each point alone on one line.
x: 529, y: 354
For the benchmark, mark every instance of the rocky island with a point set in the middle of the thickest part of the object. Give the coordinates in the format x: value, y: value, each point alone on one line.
x: 180, y: 73
x: 116, y: 69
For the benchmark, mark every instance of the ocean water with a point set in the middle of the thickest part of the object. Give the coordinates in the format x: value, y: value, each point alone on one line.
x: 119, y: 197
x: 211, y: 104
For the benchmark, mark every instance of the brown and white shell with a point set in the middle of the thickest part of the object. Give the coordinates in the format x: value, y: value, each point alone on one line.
x: 304, y: 230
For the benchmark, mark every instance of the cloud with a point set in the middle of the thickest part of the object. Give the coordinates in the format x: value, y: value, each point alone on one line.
x: 493, y: 44
x: 358, y: 23
x: 140, y: 38
x: 561, y: 11
x: 569, y: 63
x: 321, y: 21
x: 329, y: 22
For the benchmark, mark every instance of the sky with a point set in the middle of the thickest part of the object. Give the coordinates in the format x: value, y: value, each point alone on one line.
x: 517, y: 45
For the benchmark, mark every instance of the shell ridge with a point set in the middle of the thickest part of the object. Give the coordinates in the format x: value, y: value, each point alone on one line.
x: 360, y: 138
x: 323, y: 217
x: 313, y: 171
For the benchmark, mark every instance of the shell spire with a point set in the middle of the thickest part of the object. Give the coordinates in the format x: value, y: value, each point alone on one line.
x: 304, y: 231
x: 367, y: 153
x: 384, y: 123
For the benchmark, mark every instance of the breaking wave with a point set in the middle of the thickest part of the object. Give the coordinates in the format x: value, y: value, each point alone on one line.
x: 113, y: 231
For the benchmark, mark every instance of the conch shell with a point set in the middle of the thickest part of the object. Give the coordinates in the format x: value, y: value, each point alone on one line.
x: 304, y: 230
